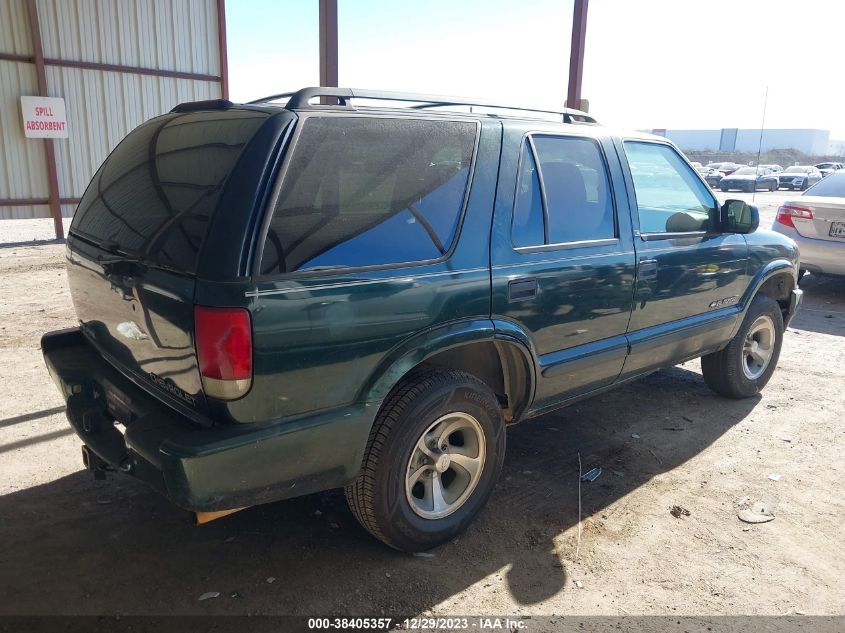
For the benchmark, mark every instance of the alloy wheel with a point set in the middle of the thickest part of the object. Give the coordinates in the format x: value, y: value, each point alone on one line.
x: 445, y: 465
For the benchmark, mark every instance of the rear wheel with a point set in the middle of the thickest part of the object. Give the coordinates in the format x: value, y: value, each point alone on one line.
x: 432, y: 459
x: 744, y: 367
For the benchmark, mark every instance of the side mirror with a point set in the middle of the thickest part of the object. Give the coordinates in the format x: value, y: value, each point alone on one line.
x: 736, y: 216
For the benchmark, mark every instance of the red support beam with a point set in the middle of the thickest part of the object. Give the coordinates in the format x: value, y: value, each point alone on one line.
x: 576, y: 53
x: 328, y: 46
x: 224, y: 52
x: 49, y: 149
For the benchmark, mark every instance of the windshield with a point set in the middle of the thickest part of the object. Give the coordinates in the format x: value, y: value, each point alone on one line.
x: 824, y: 165
x: 795, y: 170
x: 833, y: 186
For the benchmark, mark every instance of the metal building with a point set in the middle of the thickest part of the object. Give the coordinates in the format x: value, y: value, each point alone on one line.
x: 811, y: 142
x: 116, y: 63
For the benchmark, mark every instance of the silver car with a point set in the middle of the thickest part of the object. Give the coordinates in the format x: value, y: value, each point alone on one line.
x: 816, y: 221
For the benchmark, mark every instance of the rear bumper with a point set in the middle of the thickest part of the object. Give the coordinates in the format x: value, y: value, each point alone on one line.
x: 200, y: 469
x: 817, y: 256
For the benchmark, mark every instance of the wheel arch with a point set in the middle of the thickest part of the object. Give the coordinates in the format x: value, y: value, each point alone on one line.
x: 776, y: 280
x: 503, y: 362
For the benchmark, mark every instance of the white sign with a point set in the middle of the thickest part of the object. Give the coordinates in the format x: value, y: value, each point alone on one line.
x: 44, y: 117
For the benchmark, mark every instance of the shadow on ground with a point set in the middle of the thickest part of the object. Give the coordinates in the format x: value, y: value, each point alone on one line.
x: 823, y: 309
x: 76, y: 545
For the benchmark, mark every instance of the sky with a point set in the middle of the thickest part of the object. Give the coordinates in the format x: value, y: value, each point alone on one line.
x: 682, y: 64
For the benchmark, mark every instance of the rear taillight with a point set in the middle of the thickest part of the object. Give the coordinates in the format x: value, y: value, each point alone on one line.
x: 787, y: 211
x: 224, y: 351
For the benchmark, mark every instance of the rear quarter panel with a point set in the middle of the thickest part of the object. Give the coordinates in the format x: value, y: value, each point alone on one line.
x: 318, y: 340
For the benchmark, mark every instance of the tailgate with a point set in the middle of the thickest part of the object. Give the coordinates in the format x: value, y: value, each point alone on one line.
x: 140, y: 319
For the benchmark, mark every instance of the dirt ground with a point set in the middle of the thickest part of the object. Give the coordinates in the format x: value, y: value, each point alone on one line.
x: 73, y: 545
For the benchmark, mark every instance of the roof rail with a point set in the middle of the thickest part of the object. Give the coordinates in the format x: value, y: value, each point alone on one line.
x: 301, y: 100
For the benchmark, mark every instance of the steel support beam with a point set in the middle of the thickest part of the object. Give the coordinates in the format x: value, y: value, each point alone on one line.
x: 223, y: 50
x: 49, y: 150
x: 576, y: 53
x: 328, y: 46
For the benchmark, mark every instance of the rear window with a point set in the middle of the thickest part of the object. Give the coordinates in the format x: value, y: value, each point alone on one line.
x: 157, y: 191
x: 832, y: 186
x: 370, y: 191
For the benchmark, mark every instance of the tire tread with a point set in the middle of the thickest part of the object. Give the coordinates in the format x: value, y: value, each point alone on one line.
x: 360, y: 494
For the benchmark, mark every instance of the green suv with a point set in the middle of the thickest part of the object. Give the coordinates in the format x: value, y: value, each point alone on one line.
x: 284, y: 297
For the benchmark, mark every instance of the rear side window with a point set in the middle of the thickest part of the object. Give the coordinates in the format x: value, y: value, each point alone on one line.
x: 370, y: 191
x: 578, y: 199
x: 157, y: 191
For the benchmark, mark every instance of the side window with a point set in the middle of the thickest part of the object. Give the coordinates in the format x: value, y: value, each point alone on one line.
x: 670, y: 198
x: 580, y: 206
x: 370, y: 191
x: 578, y: 198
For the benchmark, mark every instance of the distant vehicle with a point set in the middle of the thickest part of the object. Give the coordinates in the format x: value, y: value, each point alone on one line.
x: 799, y: 177
x: 750, y: 179
x: 725, y: 167
x: 713, y: 177
x: 775, y: 168
x: 826, y: 169
x: 716, y: 171
x: 701, y: 169
x: 816, y: 221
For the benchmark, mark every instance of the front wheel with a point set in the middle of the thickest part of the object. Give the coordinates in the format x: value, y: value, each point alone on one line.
x: 432, y: 459
x: 744, y: 367
x: 804, y: 185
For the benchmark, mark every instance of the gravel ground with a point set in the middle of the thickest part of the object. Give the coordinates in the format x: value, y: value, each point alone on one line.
x: 73, y: 545
x: 22, y: 231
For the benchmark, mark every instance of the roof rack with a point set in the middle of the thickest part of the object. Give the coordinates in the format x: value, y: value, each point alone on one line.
x: 301, y: 100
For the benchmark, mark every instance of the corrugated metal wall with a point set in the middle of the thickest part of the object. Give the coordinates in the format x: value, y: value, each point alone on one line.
x: 102, y: 106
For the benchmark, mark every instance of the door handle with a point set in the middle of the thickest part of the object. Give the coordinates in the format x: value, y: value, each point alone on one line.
x: 647, y: 269
x: 522, y: 289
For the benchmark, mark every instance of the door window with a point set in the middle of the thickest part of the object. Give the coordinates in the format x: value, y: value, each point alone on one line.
x: 670, y: 197
x: 576, y: 203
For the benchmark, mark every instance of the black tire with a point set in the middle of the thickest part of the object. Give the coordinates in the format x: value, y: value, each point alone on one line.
x: 725, y: 189
x: 723, y: 371
x: 378, y: 496
x: 773, y: 187
x: 805, y: 184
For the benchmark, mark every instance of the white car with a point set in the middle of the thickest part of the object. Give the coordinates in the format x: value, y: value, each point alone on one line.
x: 827, y: 169
x: 816, y: 221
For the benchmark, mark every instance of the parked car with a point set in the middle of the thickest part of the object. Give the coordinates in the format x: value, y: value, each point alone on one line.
x: 750, y: 179
x: 713, y: 177
x: 701, y: 169
x: 278, y: 299
x: 776, y: 169
x: 829, y: 168
x: 816, y: 221
x: 798, y: 177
